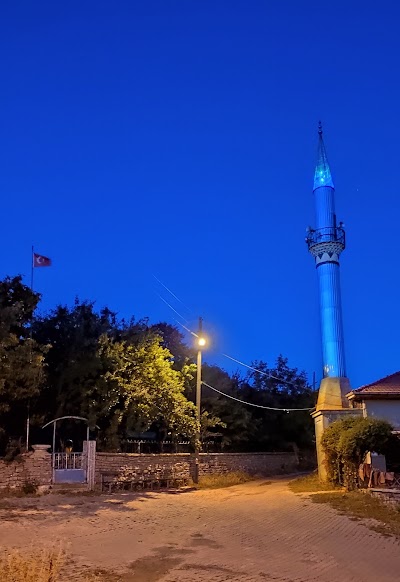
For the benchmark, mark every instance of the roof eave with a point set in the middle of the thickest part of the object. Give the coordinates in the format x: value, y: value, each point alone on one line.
x: 373, y: 395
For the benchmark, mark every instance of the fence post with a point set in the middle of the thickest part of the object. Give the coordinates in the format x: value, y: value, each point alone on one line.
x: 89, y: 448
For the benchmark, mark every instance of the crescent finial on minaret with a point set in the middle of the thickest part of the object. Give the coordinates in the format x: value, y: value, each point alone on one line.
x: 322, y: 175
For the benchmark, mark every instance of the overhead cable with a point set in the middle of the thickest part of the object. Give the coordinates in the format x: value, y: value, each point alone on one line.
x: 256, y: 405
x: 260, y: 371
x: 187, y: 329
x: 268, y: 374
x: 170, y: 306
x: 173, y: 294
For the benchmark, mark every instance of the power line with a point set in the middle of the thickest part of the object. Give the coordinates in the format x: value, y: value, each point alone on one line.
x: 173, y: 294
x: 187, y: 329
x: 269, y: 375
x: 170, y: 306
x: 256, y: 405
x: 260, y: 371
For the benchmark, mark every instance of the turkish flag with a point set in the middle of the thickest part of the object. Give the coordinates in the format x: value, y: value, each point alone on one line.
x: 41, y: 261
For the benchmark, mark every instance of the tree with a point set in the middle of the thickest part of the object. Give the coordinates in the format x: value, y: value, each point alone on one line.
x: 283, y: 388
x: 346, y: 443
x: 125, y: 375
x: 139, y: 387
x: 21, y: 357
x: 116, y: 374
x: 253, y: 428
x: 173, y: 340
x: 208, y: 425
x: 233, y: 422
x: 72, y: 363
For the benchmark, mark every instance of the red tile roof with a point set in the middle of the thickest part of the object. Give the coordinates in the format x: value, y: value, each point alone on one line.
x: 388, y: 386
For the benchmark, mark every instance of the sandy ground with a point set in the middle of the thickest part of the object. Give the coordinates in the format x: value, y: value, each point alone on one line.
x: 255, y: 532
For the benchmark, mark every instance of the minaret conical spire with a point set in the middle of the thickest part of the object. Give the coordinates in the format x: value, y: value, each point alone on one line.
x: 322, y: 175
x: 326, y: 242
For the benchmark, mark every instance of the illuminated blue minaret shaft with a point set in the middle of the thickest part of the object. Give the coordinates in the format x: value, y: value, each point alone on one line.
x: 325, y: 243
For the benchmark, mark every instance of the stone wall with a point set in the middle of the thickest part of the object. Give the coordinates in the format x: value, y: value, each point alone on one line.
x: 32, y: 467
x: 116, y: 462
x: 35, y: 467
x: 387, y: 496
x: 257, y: 464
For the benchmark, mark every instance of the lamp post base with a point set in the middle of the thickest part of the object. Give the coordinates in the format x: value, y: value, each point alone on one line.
x: 196, y: 469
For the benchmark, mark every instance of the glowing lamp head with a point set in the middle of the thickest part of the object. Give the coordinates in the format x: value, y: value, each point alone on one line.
x: 201, y: 342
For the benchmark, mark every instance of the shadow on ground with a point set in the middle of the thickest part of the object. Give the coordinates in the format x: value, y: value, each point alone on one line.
x: 79, y: 505
x: 163, y: 559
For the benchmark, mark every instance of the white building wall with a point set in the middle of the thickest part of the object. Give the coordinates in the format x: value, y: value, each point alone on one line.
x: 385, y: 409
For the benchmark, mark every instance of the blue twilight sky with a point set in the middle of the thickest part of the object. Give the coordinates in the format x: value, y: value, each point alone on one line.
x: 178, y: 138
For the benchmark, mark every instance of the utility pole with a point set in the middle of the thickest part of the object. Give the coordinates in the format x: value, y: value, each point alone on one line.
x: 201, y: 342
x: 198, y: 379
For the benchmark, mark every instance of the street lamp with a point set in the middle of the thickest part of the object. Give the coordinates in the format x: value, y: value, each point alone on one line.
x: 201, y: 342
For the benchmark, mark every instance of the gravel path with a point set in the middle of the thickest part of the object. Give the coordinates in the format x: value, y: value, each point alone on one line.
x: 254, y: 532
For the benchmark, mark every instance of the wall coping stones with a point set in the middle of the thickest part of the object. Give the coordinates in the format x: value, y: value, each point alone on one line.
x: 130, y: 455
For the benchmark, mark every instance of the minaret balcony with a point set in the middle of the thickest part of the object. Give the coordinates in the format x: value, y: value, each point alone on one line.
x: 330, y: 239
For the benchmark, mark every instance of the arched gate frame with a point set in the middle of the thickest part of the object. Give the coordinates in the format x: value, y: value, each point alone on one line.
x: 73, y: 467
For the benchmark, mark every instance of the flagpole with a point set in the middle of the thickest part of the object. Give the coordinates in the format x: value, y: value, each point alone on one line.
x: 29, y: 403
x: 37, y: 261
x: 32, y: 269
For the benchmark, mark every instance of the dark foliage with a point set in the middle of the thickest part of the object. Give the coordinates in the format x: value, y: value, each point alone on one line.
x: 127, y: 377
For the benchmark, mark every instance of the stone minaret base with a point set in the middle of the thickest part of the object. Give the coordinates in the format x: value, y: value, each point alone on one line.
x: 332, y: 394
x: 332, y: 405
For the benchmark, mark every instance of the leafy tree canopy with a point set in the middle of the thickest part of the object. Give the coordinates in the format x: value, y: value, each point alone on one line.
x: 21, y: 357
x: 129, y: 376
x: 116, y: 374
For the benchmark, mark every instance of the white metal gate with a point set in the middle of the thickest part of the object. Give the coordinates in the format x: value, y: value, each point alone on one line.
x: 68, y: 468
x: 74, y: 467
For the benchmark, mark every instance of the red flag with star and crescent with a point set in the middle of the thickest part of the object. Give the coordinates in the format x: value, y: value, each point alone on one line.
x: 41, y: 261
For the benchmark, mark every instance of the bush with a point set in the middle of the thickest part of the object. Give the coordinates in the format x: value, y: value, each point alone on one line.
x: 346, y: 443
x: 29, y: 487
x: 13, y: 451
x: 35, y: 566
x: 41, y: 565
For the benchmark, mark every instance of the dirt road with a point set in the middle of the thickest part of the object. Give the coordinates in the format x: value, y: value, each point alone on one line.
x: 255, y: 532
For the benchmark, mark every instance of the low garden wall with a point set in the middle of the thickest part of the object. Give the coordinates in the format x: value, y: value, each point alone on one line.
x: 256, y: 464
x: 387, y: 496
x: 35, y: 467
x: 28, y: 468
